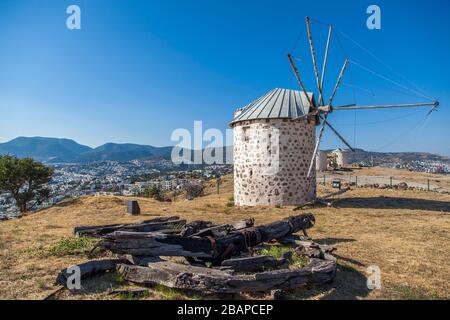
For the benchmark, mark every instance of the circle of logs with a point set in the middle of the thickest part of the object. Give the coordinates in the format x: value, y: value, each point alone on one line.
x: 219, y: 258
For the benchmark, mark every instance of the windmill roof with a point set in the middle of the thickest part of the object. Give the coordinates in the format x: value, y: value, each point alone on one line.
x: 277, y: 104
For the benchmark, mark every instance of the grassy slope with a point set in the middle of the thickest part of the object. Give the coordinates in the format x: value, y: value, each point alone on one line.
x: 410, y: 246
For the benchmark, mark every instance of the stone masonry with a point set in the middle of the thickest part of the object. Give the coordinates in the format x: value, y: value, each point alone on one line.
x: 271, y: 160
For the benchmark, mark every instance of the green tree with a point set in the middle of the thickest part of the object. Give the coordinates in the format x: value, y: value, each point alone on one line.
x: 26, y: 180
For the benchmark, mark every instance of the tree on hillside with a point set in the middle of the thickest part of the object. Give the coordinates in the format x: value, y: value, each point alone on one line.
x: 26, y: 180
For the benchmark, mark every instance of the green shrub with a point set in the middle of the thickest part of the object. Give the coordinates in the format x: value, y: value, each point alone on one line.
x: 296, y: 260
x: 72, y: 246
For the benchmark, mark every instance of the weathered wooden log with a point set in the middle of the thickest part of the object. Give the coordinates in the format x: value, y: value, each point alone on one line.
x: 224, y: 229
x: 295, y: 241
x: 88, y: 269
x: 202, y: 228
x: 252, y: 264
x: 195, y: 226
x: 242, y: 224
x: 156, y: 224
x: 212, y: 249
x: 156, y: 244
x: 239, y: 241
x: 209, y: 280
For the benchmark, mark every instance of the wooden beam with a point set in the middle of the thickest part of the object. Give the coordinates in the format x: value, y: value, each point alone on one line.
x: 252, y: 264
x: 156, y: 224
x: 409, y: 105
x: 208, y: 248
x: 299, y: 80
x: 316, y: 148
x: 338, y: 82
x: 156, y: 244
x: 208, y: 280
x: 313, y: 55
x: 88, y: 269
x: 321, y: 98
x: 337, y: 134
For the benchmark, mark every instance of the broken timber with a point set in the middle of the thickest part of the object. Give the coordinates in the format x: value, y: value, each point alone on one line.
x: 156, y: 224
x: 202, y: 228
x: 252, y: 264
x: 207, y: 280
x: 88, y: 269
x: 214, y: 249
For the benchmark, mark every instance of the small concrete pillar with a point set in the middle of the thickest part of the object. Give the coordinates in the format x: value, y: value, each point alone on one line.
x: 133, y: 208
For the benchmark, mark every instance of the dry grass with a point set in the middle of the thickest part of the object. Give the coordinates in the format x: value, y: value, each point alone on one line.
x: 408, y: 239
x: 404, y: 175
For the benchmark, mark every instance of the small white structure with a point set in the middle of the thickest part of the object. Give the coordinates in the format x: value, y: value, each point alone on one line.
x: 274, y: 139
x: 342, y: 157
x: 321, y: 161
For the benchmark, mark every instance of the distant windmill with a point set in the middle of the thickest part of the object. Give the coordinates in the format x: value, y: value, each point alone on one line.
x: 324, y: 109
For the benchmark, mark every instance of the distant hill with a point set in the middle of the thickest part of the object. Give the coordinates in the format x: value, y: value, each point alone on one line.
x: 43, y: 149
x: 124, y: 152
x: 54, y: 150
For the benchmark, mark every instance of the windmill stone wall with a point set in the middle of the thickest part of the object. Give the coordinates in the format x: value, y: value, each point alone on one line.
x: 271, y: 161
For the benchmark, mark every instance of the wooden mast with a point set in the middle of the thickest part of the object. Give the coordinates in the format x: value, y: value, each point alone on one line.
x: 408, y: 105
x: 299, y: 80
x: 325, y: 64
x: 324, y: 121
x: 313, y: 55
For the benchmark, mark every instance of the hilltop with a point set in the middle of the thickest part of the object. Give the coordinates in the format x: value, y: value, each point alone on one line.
x: 405, y: 233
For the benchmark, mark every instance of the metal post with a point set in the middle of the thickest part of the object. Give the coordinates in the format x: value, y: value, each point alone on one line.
x: 324, y: 182
x: 356, y: 181
x: 390, y: 178
x: 428, y: 182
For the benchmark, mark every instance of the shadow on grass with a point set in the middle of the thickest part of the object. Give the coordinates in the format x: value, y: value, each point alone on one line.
x: 331, y: 241
x: 393, y: 203
x: 349, y: 284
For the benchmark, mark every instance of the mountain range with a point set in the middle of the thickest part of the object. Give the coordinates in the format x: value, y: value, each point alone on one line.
x: 56, y: 150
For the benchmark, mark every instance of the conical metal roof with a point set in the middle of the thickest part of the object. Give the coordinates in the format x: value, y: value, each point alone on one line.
x: 277, y: 104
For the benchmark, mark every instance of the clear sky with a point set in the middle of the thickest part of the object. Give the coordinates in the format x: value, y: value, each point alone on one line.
x: 137, y: 70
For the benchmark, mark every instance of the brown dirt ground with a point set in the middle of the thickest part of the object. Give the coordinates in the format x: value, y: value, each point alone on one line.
x: 405, y: 233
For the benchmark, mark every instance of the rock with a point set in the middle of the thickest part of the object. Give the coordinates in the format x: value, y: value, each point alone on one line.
x: 402, y: 186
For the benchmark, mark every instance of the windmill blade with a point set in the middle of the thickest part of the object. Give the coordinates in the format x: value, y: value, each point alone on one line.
x: 338, y: 82
x: 408, y: 105
x: 434, y: 108
x: 313, y: 55
x: 299, y: 80
x: 316, y: 148
x: 337, y: 134
x: 321, y: 98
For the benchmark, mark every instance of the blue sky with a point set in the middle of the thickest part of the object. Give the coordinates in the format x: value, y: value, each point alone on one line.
x: 137, y: 70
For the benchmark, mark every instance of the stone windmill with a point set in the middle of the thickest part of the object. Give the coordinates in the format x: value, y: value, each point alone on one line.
x: 274, y: 139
